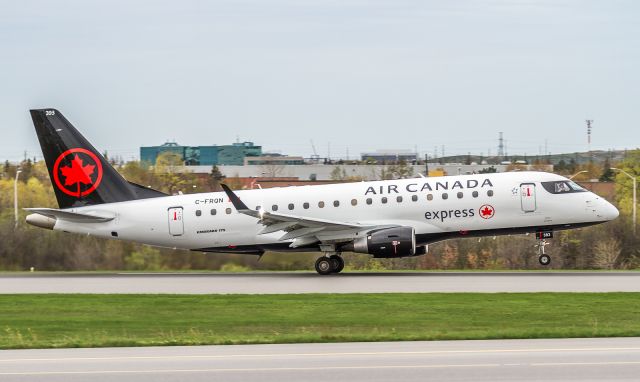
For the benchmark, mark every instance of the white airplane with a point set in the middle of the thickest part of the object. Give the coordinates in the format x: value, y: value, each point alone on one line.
x: 386, y: 219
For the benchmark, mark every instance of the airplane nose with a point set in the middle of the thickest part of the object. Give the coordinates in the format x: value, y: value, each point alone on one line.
x: 609, y: 211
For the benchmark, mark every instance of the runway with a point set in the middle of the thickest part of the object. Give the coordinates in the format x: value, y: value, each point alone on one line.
x: 603, y: 359
x: 309, y: 282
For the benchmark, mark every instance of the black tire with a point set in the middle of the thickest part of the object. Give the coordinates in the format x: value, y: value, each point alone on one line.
x: 544, y: 260
x: 324, y: 265
x: 338, y: 263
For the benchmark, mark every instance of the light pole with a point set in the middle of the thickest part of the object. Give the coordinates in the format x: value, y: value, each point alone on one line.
x: 577, y: 173
x: 634, y: 195
x: 15, y: 197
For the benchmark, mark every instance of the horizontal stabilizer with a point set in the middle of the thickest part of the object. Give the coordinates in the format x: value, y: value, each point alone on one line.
x: 75, y: 217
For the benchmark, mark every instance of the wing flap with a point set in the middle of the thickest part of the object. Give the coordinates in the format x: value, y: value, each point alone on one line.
x: 300, y: 233
x: 275, y: 227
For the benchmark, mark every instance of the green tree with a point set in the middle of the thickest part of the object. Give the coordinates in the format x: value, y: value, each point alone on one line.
x: 607, y: 173
x: 488, y: 170
x: 215, y: 178
x: 167, y: 169
x: 135, y: 172
x: 624, y: 185
x: 145, y: 258
x: 338, y: 173
x: 400, y: 170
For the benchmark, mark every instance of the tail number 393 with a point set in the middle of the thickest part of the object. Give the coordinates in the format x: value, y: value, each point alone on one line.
x: 50, y: 112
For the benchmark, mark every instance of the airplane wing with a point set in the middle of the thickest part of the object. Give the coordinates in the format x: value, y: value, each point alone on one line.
x: 303, y: 230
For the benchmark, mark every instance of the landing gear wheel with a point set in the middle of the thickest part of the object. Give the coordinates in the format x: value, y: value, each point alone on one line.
x: 337, y: 263
x: 324, y: 265
x: 544, y: 260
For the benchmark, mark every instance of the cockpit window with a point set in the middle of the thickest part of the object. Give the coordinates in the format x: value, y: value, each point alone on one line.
x: 576, y: 187
x: 562, y: 187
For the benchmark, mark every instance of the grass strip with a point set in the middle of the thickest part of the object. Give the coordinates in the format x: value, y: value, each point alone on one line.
x: 90, y: 320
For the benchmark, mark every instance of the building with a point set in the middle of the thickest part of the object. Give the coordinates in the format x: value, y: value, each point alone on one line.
x: 229, y: 155
x: 273, y: 159
x: 390, y: 156
x: 320, y: 172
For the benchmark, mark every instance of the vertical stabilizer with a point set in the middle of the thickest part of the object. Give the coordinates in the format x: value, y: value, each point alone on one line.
x: 80, y: 175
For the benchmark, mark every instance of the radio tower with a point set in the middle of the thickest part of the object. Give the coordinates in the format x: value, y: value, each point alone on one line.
x: 501, y: 146
x: 589, y: 122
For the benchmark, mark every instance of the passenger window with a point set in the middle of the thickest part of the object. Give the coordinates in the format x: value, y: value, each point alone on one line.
x: 445, y: 196
x: 274, y: 207
x: 228, y: 211
x: 354, y: 202
x: 460, y: 195
x: 384, y: 200
x: 305, y: 205
x: 213, y: 211
x: 490, y: 193
x: 198, y: 212
x: 258, y: 208
x: 336, y: 203
x: 369, y: 200
x: 429, y: 196
x: 399, y: 199
x: 290, y: 206
x: 474, y: 194
x: 414, y: 198
x: 321, y: 204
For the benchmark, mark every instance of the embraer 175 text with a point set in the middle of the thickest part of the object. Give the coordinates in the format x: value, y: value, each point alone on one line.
x: 386, y: 219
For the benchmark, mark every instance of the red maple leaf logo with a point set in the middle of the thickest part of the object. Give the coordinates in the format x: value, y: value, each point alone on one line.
x: 486, y: 211
x: 77, y: 173
x: 83, y: 169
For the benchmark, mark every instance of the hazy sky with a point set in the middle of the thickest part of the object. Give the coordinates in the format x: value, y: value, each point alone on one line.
x: 358, y: 75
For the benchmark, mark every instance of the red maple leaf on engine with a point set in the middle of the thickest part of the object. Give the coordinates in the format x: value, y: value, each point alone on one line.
x: 77, y: 172
x: 486, y: 211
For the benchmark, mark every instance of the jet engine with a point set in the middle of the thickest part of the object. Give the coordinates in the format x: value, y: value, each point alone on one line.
x: 387, y: 243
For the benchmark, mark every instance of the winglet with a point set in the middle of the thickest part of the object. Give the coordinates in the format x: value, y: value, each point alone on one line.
x: 235, y: 200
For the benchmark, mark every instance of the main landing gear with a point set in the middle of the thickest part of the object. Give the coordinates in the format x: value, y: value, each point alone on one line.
x: 543, y: 258
x: 329, y: 264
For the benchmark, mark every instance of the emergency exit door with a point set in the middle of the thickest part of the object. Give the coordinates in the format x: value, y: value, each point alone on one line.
x: 176, y: 225
x: 528, y: 197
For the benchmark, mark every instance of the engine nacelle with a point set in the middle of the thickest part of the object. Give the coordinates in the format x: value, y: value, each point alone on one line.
x: 388, y: 242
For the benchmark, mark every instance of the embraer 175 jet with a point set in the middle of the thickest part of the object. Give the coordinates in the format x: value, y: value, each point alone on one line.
x: 386, y: 219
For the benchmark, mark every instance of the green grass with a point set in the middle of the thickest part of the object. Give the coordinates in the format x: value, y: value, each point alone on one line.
x: 51, y: 320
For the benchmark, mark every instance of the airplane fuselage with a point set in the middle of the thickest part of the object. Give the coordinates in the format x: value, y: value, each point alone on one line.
x: 436, y: 208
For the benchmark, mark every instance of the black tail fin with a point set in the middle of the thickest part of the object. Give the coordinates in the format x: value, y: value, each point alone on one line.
x: 80, y: 175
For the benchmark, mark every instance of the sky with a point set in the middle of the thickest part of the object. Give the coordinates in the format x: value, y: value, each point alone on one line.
x: 352, y: 76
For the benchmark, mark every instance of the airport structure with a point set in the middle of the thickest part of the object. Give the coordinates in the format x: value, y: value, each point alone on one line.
x: 389, y: 156
x: 322, y: 172
x: 230, y: 155
x: 273, y: 159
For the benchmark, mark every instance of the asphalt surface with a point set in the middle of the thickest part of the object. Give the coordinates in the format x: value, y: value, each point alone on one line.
x: 603, y: 359
x: 308, y: 282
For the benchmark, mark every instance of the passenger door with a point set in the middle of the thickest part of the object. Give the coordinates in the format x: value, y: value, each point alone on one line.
x: 176, y: 224
x: 528, y: 197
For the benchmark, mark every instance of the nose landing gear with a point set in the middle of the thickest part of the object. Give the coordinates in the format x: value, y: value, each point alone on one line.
x: 329, y: 264
x: 543, y: 258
